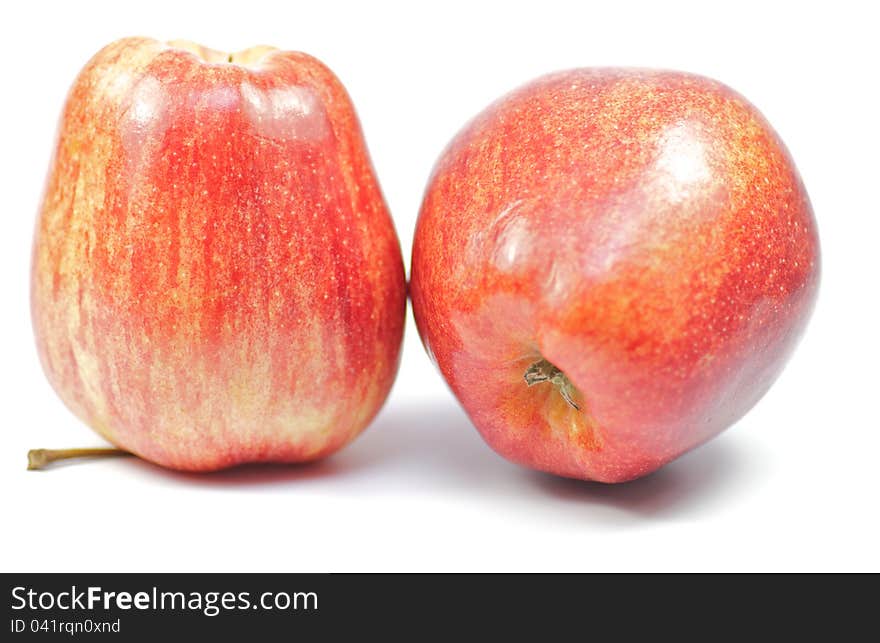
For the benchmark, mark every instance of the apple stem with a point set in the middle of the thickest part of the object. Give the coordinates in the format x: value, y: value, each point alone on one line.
x: 544, y: 371
x: 39, y: 458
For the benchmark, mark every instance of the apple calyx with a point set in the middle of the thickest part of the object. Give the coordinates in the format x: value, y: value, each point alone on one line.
x: 544, y: 371
x: 39, y: 458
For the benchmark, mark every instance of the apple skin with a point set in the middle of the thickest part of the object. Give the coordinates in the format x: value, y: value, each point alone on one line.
x: 647, y: 234
x: 216, y: 278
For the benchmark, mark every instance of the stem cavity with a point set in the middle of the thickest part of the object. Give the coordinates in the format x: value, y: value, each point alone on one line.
x: 40, y: 458
x: 543, y: 371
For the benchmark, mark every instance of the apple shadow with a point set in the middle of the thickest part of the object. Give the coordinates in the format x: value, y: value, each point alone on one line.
x: 434, y: 443
x: 432, y: 448
x: 435, y: 446
x: 698, y: 481
x: 251, y: 474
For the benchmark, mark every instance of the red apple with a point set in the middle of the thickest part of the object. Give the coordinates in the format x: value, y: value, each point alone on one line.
x: 612, y: 266
x: 216, y: 278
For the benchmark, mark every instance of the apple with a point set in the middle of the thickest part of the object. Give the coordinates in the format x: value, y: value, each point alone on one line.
x: 216, y: 278
x: 611, y: 266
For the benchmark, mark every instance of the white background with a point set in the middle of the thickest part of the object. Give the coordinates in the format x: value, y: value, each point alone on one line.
x: 794, y: 486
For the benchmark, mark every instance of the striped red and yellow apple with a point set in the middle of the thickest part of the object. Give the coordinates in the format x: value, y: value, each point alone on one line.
x: 611, y: 266
x: 216, y: 278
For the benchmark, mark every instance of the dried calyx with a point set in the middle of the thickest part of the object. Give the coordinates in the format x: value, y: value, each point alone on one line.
x: 543, y: 371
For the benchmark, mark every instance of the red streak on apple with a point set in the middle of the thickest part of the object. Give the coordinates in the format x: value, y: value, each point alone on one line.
x: 647, y: 234
x: 216, y: 278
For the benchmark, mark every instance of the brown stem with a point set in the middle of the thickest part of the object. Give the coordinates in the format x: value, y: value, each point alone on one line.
x: 39, y: 458
x: 544, y: 371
